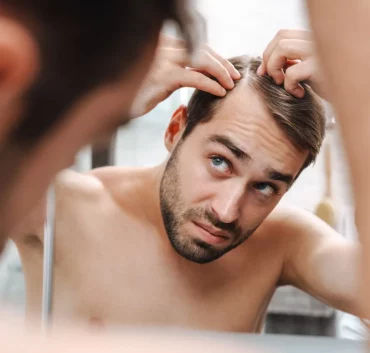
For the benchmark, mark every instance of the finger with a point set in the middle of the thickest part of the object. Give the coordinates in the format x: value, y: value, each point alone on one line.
x: 296, y: 74
x: 171, y: 42
x: 201, y: 71
x: 303, y: 34
x: 290, y: 63
x: 234, y: 73
x: 199, y: 81
x: 212, y: 66
x: 286, y: 34
x: 283, y: 34
x: 177, y: 56
x: 287, y: 49
x: 262, y: 69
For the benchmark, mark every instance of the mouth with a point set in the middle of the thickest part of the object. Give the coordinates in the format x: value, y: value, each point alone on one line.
x: 211, y: 234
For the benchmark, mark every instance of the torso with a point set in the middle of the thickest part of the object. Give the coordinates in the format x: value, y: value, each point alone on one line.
x: 112, y: 267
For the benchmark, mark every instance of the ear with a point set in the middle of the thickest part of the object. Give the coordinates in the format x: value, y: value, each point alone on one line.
x: 19, y: 61
x: 176, y: 127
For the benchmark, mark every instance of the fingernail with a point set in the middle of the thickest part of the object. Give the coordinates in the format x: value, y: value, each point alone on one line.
x: 223, y: 91
x: 237, y: 75
x: 298, y: 92
x: 259, y: 70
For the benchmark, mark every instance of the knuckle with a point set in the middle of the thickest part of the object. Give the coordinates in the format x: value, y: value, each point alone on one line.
x: 206, y: 47
x: 277, y: 75
x: 205, y: 59
x: 284, y: 44
x: 291, y: 73
x: 224, y: 62
x: 288, y: 84
x: 224, y: 73
x: 203, y: 79
x: 282, y: 33
x: 270, y: 67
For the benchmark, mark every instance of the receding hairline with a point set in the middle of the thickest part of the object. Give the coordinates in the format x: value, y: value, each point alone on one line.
x: 302, y: 120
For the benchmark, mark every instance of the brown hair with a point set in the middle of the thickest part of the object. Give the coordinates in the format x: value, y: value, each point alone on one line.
x: 82, y: 44
x: 302, y: 119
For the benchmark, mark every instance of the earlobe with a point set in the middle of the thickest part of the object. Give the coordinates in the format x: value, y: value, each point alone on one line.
x: 19, y: 62
x: 176, y: 127
x: 19, y: 59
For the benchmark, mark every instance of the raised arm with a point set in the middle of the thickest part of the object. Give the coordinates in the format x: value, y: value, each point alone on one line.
x: 341, y: 31
x: 173, y: 69
x: 317, y: 259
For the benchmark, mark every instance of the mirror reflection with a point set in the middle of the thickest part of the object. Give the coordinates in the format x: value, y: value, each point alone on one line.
x: 225, y: 210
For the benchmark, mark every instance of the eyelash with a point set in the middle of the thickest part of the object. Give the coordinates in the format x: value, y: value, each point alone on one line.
x: 274, y: 187
x: 229, y: 164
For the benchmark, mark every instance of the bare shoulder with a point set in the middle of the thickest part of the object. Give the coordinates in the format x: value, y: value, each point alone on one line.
x: 71, y: 189
x: 113, y: 176
x: 70, y: 182
x: 123, y: 184
x: 94, y: 184
x: 98, y: 186
x: 291, y: 222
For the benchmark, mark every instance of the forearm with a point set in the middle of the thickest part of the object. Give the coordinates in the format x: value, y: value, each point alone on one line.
x: 341, y: 29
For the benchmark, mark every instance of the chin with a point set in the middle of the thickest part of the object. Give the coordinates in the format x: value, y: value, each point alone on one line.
x: 198, y: 252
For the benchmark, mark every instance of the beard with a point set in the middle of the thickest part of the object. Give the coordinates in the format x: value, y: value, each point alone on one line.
x: 175, y: 215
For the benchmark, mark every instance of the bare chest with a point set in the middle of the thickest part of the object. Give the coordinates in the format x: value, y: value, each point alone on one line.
x: 118, y: 276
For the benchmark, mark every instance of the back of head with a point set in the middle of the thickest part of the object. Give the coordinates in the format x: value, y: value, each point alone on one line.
x: 83, y: 44
x: 81, y: 49
x: 302, y: 119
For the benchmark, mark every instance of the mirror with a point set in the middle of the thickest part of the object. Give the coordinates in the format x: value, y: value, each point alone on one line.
x: 240, y: 28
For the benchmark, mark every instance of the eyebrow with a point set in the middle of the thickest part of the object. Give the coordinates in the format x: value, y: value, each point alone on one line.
x: 235, y: 150
x: 275, y: 175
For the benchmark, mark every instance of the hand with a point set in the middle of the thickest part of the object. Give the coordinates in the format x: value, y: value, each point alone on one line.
x: 173, y: 68
x: 289, y: 58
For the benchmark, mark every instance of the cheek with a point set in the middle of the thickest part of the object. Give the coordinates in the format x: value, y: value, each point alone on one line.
x: 197, y: 184
x: 255, y: 213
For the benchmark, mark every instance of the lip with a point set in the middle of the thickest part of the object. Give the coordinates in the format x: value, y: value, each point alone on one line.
x: 210, y: 234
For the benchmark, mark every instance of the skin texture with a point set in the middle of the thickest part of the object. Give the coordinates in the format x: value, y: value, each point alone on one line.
x: 109, y: 227
x: 347, y: 68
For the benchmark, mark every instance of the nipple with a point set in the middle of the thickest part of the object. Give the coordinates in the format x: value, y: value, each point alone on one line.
x: 96, y: 324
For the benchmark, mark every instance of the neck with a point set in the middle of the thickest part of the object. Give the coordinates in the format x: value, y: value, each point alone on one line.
x: 151, y: 194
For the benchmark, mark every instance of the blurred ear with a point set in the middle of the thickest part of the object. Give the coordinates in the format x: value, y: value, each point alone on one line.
x: 19, y: 63
x: 176, y: 127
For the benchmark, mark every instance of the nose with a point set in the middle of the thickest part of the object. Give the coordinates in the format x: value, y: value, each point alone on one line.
x: 227, y: 204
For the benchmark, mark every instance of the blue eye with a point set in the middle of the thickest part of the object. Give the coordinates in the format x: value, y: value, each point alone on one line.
x: 265, y: 189
x: 220, y: 164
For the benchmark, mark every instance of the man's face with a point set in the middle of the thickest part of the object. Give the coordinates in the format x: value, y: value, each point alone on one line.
x: 224, y: 179
x: 95, y: 114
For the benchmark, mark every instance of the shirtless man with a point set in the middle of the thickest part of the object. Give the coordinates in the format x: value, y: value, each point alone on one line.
x: 69, y: 73
x: 168, y: 245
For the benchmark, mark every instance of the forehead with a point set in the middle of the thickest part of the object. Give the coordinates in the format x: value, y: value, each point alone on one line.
x: 244, y: 117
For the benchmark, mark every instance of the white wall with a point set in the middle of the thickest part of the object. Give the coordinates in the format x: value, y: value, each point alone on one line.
x: 238, y: 27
